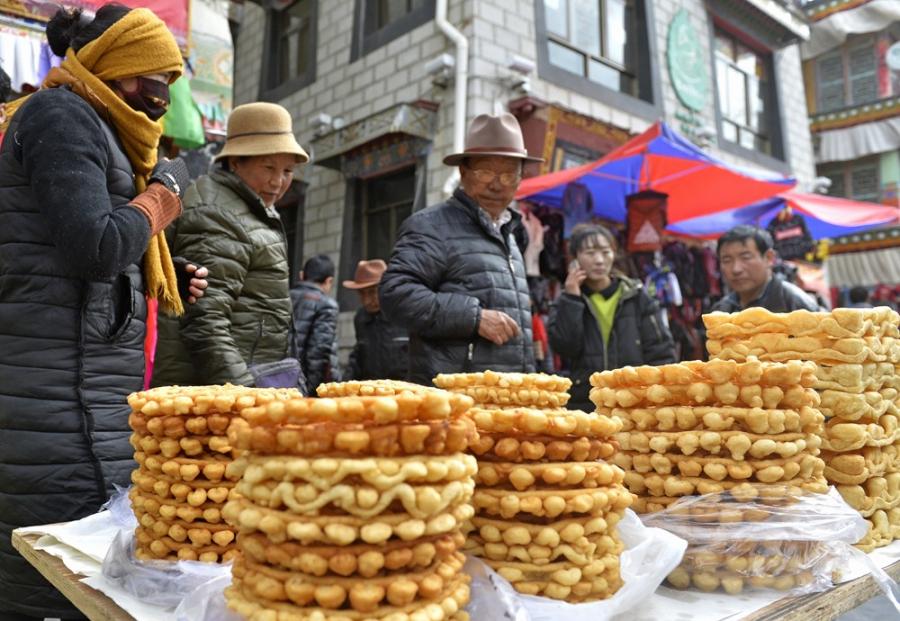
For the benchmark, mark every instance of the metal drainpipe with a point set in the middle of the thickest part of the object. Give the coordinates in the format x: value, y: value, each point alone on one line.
x: 460, y: 84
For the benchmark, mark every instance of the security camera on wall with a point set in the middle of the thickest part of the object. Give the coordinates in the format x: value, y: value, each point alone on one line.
x: 520, y: 65
x: 440, y: 68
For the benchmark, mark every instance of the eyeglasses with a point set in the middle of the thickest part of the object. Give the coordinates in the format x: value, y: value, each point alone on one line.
x: 488, y: 176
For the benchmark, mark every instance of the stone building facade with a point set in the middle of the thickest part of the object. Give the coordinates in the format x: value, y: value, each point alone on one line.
x: 378, y: 117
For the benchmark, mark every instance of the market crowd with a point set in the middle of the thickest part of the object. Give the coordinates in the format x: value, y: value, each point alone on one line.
x: 93, y: 224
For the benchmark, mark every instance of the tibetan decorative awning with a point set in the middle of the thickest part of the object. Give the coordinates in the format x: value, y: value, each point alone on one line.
x: 401, y: 130
x: 850, y: 143
x: 833, y: 22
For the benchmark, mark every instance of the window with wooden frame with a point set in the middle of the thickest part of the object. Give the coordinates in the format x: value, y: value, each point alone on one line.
x: 859, y: 180
x: 387, y: 202
x: 378, y: 22
x: 291, y: 62
x: 856, y: 73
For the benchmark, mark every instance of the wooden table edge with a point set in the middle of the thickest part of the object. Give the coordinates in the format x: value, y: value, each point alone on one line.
x: 94, y: 604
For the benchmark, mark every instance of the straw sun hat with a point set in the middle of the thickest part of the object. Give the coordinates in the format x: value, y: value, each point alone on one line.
x: 261, y: 129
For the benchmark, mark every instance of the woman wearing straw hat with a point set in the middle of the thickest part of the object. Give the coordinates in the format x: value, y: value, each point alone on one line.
x: 83, y: 203
x: 231, y: 226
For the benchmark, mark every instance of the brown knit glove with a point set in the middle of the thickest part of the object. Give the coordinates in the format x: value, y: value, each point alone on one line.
x: 160, y: 205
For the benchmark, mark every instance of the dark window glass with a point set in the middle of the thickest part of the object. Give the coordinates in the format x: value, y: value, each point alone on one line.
x: 292, y: 48
x: 381, y: 21
x: 388, y: 202
x: 744, y: 93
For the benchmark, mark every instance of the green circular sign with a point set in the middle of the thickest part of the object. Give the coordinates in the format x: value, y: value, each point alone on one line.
x: 687, y: 63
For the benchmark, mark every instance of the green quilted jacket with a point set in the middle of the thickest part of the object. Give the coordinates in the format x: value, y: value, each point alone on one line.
x: 245, y: 315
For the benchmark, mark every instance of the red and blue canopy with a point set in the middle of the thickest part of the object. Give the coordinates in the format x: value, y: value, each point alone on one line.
x: 661, y: 160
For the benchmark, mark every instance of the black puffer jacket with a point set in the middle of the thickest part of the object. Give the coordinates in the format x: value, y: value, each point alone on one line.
x: 314, y: 338
x: 72, y: 324
x: 381, y: 350
x: 449, y: 263
x: 639, y: 336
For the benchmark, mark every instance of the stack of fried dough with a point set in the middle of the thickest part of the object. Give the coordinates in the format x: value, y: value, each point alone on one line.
x: 351, y: 508
x: 546, y: 504
x: 702, y: 427
x: 181, y: 483
x: 856, y: 352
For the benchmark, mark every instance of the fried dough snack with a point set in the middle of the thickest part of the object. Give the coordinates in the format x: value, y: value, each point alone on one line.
x: 366, y: 560
x: 382, y: 473
x: 180, y: 426
x: 685, y: 375
x: 884, y: 528
x: 722, y: 418
x: 371, y: 388
x: 598, y: 580
x: 732, y: 582
x: 801, y: 466
x: 149, y: 546
x: 550, y: 503
x: 660, y: 485
x: 528, y: 381
x: 735, y: 444
x: 839, y: 323
x: 404, y: 407
x: 446, y: 607
x: 439, y: 437
x: 880, y: 492
x: 868, y: 377
x: 652, y: 504
x: 557, y: 423
x: 575, y: 531
x: 171, y: 509
x: 527, y: 447
x: 203, y: 467
x: 419, y: 501
x: 841, y: 437
x: 341, y: 530
x: 865, y: 406
x: 583, y: 475
x: 190, y: 446
x: 856, y: 468
x: 197, y: 533
x: 203, y: 400
x: 195, y: 493
x: 712, y: 395
x: 780, y: 347
x: 590, y: 548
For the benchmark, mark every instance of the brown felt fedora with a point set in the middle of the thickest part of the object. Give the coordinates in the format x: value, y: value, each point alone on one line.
x: 368, y: 274
x: 493, y: 135
x: 261, y: 128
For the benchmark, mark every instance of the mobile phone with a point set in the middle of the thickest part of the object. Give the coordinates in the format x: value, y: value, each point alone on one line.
x: 573, y: 265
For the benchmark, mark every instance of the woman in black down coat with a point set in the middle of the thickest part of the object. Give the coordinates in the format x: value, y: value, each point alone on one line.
x: 604, y: 320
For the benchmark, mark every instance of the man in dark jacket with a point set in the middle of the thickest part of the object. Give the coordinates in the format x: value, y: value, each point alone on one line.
x: 314, y: 342
x: 456, y: 277
x: 746, y: 256
x: 382, y: 347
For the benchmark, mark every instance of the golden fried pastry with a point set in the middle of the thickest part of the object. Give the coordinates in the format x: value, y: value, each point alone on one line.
x: 281, y: 526
x: 371, y: 388
x: 189, y: 446
x: 171, y: 509
x: 840, y: 436
x: 857, y: 467
x: 559, y: 475
x: 583, y: 554
x: 530, y: 381
x: 734, y: 444
x: 203, y: 400
x: 365, y: 560
x: 209, y: 467
x: 868, y: 377
x: 884, y: 527
x: 550, y: 503
x: 514, y: 397
x: 198, y: 533
x: 693, y: 377
x: 575, y: 531
x: 865, y: 406
x: 194, y: 493
x: 556, y: 423
x: 597, y: 580
x: 733, y: 582
x: 839, y: 323
x: 445, y: 607
x: 781, y: 347
x: 880, y: 492
x: 419, y: 501
x: 180, y: 426
x: 428, y: 584
x: 381, y: 473
x: 659, y: 485
x: 720, y: 418
x: 525, y: 447
x: 404, y: 407
x: 802, y: 466
x: 700, y: 394
x: 652, y: 504
x: 163, y: 547
x: 439, y: 437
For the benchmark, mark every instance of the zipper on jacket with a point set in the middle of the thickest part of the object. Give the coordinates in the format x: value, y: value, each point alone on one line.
x: 655, y: 323
x: 471, y: 354
x: 512, y: 274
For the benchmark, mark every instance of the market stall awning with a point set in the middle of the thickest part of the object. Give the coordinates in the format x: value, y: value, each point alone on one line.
x: 826, y: 216
x: 662, y: 160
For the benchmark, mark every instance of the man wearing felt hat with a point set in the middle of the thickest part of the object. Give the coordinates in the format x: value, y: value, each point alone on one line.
x: 231, y: 226
x: 456, y: 277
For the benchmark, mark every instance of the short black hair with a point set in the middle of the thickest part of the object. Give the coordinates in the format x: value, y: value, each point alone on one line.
x: 741, y: 233
x: 73, y: 28
x: 582, y: 234
x: 318, y: 269
x: 859, y: 294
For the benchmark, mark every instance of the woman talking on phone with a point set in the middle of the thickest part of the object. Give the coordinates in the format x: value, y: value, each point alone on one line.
x: 604, y: 320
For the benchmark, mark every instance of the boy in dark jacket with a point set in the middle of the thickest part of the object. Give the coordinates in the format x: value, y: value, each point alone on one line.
x: 604, y: 320
x: 315, y: 323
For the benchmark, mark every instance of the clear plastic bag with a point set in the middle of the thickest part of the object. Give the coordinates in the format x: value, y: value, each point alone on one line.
x: 161, y: 583
x: 650, y: 554
x: 762, y: 537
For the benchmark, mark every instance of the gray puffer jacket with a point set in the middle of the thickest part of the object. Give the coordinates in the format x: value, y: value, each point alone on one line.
x: 314, y: 338
x: 448, y: 265
x: 72, y: 325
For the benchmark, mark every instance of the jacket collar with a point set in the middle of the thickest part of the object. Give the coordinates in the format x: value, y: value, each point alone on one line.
x: 630, y: 287
x: 481, y: 216
x: 251, y: 198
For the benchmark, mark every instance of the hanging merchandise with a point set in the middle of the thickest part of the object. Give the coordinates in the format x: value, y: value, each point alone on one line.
x: 646, y: 221
x: 790, y: 234
x: 20, y: 54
